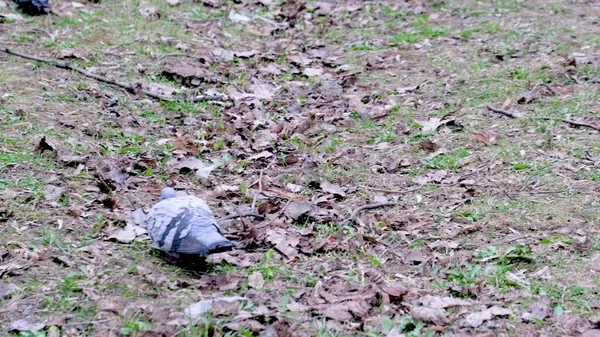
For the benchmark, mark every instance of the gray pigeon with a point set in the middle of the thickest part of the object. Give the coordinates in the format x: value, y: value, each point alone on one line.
x: 185, y: 225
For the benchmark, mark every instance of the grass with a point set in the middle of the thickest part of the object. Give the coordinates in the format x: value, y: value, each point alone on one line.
x: 467, y: 63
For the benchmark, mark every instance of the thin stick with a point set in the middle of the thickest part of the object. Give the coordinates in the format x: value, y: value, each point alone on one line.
x: 505, y: 112
x: 520, y: 115
x: 69, y: 66
x: 357, y: 211
x: 408, y: 190
x: 242, y: 215
x: 260, y: 185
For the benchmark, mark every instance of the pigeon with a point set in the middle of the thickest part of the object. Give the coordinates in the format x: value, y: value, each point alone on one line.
x: 185, y: 225
x: 34, y: 7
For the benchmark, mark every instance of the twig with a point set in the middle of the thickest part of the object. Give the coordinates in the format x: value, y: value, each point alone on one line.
x: 408, y: 190
x: 260, y: 186
x: 357, y: 211
x: 69, y: 66
x: 520, y: 115
x: 242, y: 215
x: 505, y: 112
x: 280, y: 213
x: 89, y: 322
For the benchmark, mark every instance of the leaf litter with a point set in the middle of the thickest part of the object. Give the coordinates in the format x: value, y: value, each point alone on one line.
x: 344, y: 122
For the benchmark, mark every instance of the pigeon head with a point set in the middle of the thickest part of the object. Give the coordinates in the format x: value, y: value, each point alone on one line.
x: 167, y: 193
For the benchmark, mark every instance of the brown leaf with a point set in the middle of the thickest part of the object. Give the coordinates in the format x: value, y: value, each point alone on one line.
x: 225, y: 308
x: 539, y: 310
x: 188, y: 73
x: 428, y: 146
x: 475, y: 319
x: 150, y: 13
x: 429, y: 315
x: 127, y: 234
x: 297, y: 209
x: 572, y: 325
x: 431, y: 124
x: 72, y: 160
x: 332, y: 189
x: 53, y: 193
x: 344, y: 311
x: 396, y: 289
x: 438, y: 302
x: 46, y: 144
x: 111, y: 179
x: 186, y: 165
x: 72, y: 53
x: 483, y: 138
x: 284, y: 241
x: 24, y: 325
x: 256, y: 281
x: 249, y: 324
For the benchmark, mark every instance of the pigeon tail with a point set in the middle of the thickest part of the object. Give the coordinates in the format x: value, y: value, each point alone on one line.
x: 221, y: 246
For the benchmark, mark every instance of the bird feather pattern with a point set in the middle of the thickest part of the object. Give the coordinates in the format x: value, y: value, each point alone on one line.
x: 185, y: 225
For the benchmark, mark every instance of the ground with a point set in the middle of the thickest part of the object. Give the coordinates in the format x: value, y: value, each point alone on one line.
x: 470, y: 127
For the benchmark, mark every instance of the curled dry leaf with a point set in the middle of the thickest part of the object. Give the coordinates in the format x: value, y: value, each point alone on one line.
x: 438, y: 302
x: 332, y: 189
x: 24, y: 326
x: 127, y: 234
x: 196, y: 310
x: 298, y: 208
x: 475, y: 319
x: 75, y: 160
x: 46, y: 144
x: 429, y: 315
x: 312, y: 72
x: 188, y: 73
x: 150, y: 13
x: 431, y: 124
x: 52, y: 193
x: 284, y: 241
x: 256, y: 280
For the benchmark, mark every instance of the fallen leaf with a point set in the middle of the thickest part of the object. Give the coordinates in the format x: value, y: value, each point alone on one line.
x: 189, y: 73
x: 53, y: 193
x: 24, y: 325
x: 429, y: 315
x: 127, y: 234
x: 438, y: 302
x: 72, y: 160
x: 483, y: 138
x: 150, y: 13
x: 186, y: 165
x: 8, y: 17
x: 311, y: 72
x: 405, y: 90
x: 263, y: 91
x: 332, y: 189
x: 475, y: 319
x: 428, y: 146
x: 539, y: 310
x: 112, y: 179
x: 46, y: 144
x: 284, y: 241
x: 72, y: 53
x: 297, y: 209
x: 396, y: 289
x: 225, y: 308
x: 245, y: 54
x: 432, y: 124
x: 196, y: 310
x: 237, y: 17
x: 256, y: 281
